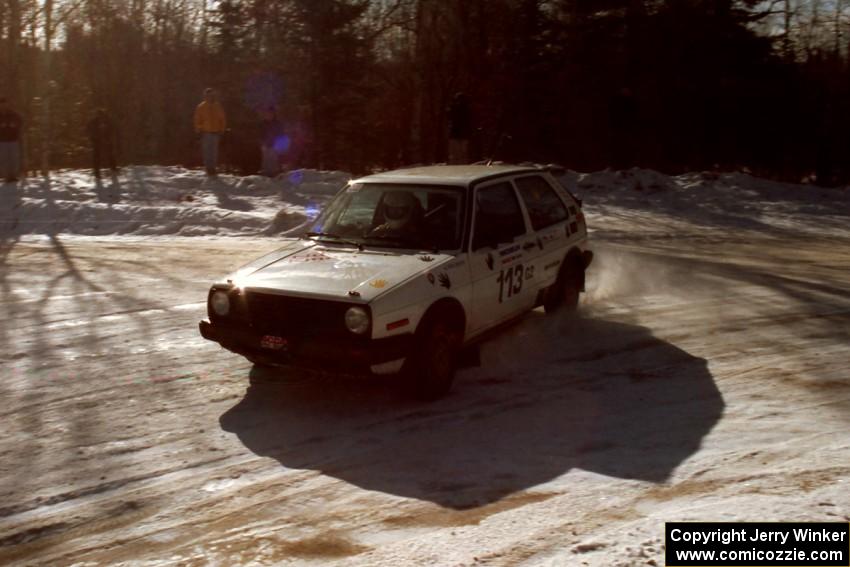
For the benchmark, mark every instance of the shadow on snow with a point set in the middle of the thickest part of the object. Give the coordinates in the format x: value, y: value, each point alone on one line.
x: 592, y: 394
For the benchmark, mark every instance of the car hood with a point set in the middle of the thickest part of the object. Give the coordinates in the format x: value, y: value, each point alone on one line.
x: 308, y: 268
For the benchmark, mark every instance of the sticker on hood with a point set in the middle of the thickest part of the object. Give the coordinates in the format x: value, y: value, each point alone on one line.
x: 309, y: 257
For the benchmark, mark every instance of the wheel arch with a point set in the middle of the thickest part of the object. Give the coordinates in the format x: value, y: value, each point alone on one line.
x: 574, y: 260
x: 447, y: 307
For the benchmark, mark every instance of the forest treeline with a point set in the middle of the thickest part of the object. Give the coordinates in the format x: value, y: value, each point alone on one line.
x: 365, y: 84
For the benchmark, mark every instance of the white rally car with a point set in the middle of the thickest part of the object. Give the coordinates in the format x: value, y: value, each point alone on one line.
x: 403, y: 269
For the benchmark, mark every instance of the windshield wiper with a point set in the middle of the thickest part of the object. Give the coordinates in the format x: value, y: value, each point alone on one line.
x: 337, y: 237
x: 404, y: 242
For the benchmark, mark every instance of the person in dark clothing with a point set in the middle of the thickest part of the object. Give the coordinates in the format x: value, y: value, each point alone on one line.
x: 272, y: 143
x: 10, y: 142
x: 102, y: 135
x: 460, y: 129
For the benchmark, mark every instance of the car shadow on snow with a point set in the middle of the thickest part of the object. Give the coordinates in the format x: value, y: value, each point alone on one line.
x: 553, y: 394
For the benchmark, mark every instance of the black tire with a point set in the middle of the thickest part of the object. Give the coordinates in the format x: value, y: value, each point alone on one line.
x: 564, y: 293
x: 429, y: 372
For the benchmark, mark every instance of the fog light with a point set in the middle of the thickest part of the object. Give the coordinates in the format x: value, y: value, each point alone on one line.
x: 220, y: 303
x: 357, y: 320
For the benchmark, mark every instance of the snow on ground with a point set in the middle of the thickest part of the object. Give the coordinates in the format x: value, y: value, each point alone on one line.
x: 161, y: 201
x: 157, y: 200
x: 704, y: 378
x: 714, y: 202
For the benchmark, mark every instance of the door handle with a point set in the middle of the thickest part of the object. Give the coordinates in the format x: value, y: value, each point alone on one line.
x: 529, y: 245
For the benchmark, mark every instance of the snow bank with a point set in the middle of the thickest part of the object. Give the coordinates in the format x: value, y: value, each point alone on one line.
x: 708, y: 200
x: 163, y: 200
x: 158, y: 200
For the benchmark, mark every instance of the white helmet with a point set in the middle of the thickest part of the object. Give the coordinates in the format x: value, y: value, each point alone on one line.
x: 400, y: 208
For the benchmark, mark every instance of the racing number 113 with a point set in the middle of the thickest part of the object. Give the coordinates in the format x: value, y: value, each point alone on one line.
x: 511, y: 280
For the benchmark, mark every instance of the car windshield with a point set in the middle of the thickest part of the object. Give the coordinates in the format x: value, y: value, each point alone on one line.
x: 421, y: 217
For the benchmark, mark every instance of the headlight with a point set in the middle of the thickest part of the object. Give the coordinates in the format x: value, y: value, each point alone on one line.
x: 220, y: 303
x: 357, y: 320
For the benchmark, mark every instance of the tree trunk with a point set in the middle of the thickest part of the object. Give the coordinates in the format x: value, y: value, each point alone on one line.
x: 48, y: 87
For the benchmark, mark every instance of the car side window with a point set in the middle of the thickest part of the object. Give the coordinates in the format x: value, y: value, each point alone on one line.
x: 498, y: 217
x: 544, y: 206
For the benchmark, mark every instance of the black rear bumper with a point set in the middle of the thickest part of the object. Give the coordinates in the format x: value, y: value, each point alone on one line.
x: 356, y: 354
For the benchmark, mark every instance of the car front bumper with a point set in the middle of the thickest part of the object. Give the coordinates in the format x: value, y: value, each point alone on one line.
x: 353, y: 355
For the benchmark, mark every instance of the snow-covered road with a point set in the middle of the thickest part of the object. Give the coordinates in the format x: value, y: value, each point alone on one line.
x: 704, y: 379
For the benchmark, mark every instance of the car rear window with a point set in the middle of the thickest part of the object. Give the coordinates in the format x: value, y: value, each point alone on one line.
x: 544, y: 206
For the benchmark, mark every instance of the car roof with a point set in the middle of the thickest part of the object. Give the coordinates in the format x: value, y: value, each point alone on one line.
x: 446, y: 174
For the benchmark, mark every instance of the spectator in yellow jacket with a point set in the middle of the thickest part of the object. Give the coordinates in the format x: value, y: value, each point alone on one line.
x: 210, y: 123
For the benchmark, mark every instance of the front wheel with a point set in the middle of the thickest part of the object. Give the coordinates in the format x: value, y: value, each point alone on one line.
x: 430, y: 371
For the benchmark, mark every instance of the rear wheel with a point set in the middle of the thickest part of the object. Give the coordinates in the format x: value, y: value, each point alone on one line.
x: 564, y: 293
x: 430, y: 371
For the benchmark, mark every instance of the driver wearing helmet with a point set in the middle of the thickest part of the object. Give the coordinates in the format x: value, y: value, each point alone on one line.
x: 402, y: 214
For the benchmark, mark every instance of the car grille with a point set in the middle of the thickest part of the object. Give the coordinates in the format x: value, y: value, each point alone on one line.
x: 291, y: 317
